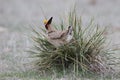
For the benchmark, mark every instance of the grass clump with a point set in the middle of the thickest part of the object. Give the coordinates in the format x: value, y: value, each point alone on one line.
x: 82, y: 54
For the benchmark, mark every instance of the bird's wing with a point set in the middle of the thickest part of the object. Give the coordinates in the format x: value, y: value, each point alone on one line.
x: 57, y: 34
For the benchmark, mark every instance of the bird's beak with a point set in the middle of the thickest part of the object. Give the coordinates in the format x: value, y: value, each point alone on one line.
x: 48, y: 23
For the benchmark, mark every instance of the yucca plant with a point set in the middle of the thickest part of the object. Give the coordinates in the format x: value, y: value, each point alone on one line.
x: 82, y: 54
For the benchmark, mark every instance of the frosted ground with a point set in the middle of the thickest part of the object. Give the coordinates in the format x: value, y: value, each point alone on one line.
x: 17, y: 16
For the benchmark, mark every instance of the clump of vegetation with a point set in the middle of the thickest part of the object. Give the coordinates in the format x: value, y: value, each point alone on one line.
x: 82, y: 54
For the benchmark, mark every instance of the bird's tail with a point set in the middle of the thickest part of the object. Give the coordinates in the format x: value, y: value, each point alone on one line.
x: 69, y: 34
x: 70, y: 29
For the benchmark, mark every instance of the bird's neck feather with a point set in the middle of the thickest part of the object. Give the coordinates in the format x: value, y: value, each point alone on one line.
x: 50, y: 29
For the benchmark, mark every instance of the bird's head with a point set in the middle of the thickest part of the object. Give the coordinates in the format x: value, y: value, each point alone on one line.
x: 47, y: 22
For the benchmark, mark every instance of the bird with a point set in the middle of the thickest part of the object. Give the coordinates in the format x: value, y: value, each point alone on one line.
x: 58, y: 37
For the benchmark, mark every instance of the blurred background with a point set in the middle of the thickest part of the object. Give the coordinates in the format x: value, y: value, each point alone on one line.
x: 19, y: 13
x: 17, y: 16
